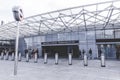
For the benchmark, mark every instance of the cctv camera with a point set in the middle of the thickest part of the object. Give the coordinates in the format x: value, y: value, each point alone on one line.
x: 17, y: 13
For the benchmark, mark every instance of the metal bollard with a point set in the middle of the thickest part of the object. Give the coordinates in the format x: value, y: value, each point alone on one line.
x: 45, y: 58
x: 85, y: 60
x: 7, y: 55
x: 70, y: 58
x: 56, y: 58
x: 27, y: 57
x: 102, y: 60
x: 19, y: 57
x: 35, y: 58
x: 2, y: 56
x: 13, y: 56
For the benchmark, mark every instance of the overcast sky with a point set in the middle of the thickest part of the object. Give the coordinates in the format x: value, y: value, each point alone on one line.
x: 33, y: 7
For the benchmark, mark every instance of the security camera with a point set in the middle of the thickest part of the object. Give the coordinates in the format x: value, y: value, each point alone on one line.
x: 17, y: 13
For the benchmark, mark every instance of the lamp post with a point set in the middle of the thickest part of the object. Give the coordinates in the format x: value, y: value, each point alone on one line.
x: 18, y: 16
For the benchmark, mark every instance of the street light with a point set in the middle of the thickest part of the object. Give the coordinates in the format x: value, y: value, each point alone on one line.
x: 18, y: 16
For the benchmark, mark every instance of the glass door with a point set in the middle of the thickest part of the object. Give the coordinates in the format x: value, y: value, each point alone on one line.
x: 110, y: 51
x: 117, y: 51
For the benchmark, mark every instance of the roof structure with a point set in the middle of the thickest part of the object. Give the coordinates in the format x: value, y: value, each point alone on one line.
x: 99, y: 16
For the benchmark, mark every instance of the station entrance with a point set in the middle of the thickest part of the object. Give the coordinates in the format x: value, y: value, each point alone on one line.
x: 111, y: 48
x: 62, y: 48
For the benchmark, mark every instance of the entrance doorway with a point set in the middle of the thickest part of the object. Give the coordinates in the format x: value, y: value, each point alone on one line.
x: 62, y: 50
x: 112, y: 51
x: 117, y: 51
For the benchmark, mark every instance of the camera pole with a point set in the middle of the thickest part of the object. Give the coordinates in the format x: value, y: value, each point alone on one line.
x: 18, y: 15
x: 16, y: 50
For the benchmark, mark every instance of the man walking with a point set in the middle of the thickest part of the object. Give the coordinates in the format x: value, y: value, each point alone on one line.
x: 90, y: 53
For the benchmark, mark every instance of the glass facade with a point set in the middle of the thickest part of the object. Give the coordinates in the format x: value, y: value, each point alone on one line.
x: 86, y: 40
x: 86, y: 24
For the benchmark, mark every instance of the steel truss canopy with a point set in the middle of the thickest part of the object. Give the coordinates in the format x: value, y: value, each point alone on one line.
x: 99, y: 16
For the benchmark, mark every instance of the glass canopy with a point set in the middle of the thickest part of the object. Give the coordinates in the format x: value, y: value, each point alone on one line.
x: 99, y: 16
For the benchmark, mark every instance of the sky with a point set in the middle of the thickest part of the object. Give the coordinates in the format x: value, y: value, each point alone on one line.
x: 34, y: 7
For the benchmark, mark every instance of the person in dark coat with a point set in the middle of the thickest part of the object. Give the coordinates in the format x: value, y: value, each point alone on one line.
x: 26, y: 51
x: 83, y: 51
x: 90, y: 53
x: 99, y: 53
x: 80, y: 54
x: 35, y: 51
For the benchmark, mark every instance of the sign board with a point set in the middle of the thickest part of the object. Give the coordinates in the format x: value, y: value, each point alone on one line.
x: 60, y: 42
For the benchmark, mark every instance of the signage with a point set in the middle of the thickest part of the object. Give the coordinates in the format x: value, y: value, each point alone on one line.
x: 60, y: 42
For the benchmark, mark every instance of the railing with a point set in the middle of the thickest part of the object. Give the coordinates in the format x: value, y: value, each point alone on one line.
x: 101, y: 36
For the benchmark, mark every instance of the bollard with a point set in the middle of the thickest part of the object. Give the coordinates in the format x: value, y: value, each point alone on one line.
x: 35, y: 58
x: 19, y: 57
x: 2, y: 56
x: 27, y: 57
x: 45, y: 58
x: 70, y: 58
x: 12, y: 56
x: 56, y: 58
x: 7, y: 55
x: 102, y: 60
x: 85, y: 60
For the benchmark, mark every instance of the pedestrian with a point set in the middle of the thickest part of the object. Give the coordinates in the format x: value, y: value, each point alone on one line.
x: 99, y: 53
x: 80, y: 56
x: 83, y: 52
x: 30, y: 53
x: 26, y: 52
x: 35, y: 51
x: 90, y: 53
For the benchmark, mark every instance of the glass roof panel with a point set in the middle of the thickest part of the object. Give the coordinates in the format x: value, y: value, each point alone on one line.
x: 100, y: 15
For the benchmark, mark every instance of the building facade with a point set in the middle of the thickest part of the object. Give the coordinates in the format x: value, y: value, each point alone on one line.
x: 85, y: 40
x: 78, y: 30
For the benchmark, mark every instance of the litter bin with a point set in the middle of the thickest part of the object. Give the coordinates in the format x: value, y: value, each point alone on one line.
x: 35, y: 58
x: 7, y: 55
x: 27, y: 57
x: 13, y: 56
x: 85, y: 60
x: 102, y: 60
x: 19, y: 57
x: 70, y: 58
x: 56, y: 58
x: 2, y: 55
x: 45, y: 58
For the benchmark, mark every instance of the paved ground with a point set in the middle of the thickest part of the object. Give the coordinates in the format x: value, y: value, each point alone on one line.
x: 62, y: 71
